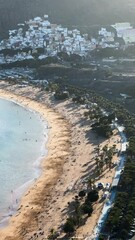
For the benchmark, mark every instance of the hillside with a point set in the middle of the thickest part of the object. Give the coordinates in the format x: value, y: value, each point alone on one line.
x: 85, y: 13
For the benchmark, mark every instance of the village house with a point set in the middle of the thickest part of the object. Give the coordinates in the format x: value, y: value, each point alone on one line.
x: 125, y: 31
x: 53, y: 38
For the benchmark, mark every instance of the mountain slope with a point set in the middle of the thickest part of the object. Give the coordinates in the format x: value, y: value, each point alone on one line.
x: 67, y: 12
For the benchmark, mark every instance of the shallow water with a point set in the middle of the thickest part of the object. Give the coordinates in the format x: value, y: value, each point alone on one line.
x: 22, y: 137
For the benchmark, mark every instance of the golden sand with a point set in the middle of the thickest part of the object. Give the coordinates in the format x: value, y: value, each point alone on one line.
x: 70, y: 159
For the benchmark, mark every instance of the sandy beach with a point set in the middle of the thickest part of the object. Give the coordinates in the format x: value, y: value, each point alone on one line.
x: 70, y: 160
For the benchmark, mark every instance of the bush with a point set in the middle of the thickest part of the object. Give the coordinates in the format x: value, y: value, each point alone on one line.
x: 93, y: 196
x: 61, y: 95
x: 101, y: 237
x: 69, y: 226
x: 87, y: 209
x: 82, y: 193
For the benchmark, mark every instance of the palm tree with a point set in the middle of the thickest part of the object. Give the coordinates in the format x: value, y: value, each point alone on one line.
x: 90, y: 183
x: 105, y: 149
x: 114, y: 148
x: 52, y: 234
x: 101, y: 165
x: 106, y: 161
x: 97, y: 171
x: 97, y: 160
x: 97, y: 149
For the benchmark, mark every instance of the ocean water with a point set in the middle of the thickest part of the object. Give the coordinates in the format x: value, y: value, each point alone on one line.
x: 22, y: 139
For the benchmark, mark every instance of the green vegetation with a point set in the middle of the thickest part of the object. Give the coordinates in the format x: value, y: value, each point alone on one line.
x: 61, y: 95
x: 87, y: 209
x: 131, y: 147
x: 69, y: 226
x: 82, y: 194
x: 103, y: 128
x: 121, y: 216
x: 80, y: 208
x: 92, y: 196
x: 53, y: 235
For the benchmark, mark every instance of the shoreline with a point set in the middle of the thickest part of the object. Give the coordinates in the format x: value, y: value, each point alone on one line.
x: 67, y: 168
x: 12, y: 230
x: 36, y: 166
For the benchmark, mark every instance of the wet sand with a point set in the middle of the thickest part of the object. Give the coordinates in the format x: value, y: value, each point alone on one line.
x: 70, y: 160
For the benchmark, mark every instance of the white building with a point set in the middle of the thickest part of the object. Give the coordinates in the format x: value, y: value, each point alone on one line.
x: 122, y: 26
x: 128, y: 36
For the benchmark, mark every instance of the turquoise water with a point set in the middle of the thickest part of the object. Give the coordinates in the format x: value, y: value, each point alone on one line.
x: 22, y: 139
